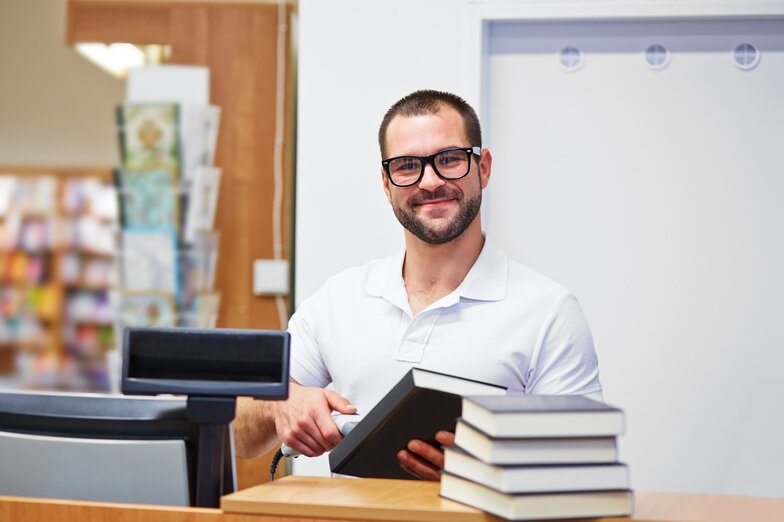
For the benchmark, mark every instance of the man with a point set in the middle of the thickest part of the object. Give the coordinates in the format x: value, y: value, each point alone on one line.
x: 449, y: 302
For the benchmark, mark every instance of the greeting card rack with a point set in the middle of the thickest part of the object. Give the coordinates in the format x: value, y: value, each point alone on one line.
x: 167, y: 192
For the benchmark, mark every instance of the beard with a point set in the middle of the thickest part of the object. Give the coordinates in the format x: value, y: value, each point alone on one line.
x: 467, y: 210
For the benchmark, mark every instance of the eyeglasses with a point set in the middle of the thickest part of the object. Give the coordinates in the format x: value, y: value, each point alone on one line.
x: 449, y: 164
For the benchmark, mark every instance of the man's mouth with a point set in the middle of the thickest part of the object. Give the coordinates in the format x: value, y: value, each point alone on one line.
x: 438, y: 197
x: 435, y: 201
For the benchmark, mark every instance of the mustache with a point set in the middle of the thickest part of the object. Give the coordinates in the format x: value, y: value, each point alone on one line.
x: 424, y: 196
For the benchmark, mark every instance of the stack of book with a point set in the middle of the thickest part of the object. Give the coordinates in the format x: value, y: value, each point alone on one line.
x: 525, y: 457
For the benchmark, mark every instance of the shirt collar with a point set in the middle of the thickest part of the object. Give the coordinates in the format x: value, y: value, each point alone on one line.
x: 486, y: 281
x: 385, y: 280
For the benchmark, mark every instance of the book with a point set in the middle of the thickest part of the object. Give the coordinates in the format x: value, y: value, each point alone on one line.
x: 549, y: 450
x: 520, y: 415
x: 537, y: 479
x: 537, y: 506
x: 7, y: 188
x: 419, y: 405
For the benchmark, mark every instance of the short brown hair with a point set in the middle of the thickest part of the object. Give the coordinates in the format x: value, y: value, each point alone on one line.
x: 430, y: 102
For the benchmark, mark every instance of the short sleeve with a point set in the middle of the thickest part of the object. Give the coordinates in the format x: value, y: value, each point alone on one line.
x: 307, y: 364
x: 565, y: 362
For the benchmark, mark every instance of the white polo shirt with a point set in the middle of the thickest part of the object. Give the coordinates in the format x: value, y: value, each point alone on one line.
x: 506, y: 324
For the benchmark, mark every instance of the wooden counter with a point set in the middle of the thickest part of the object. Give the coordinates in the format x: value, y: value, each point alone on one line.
x: 384, y: 500
x: 313, y: 499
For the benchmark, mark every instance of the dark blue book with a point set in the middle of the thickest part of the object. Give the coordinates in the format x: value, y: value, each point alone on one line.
x: 519, y: 415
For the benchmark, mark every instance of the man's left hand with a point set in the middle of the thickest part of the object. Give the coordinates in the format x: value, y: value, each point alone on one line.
x: 423, y: 460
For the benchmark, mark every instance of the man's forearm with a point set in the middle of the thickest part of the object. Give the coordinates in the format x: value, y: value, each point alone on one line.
x: 254, y: 427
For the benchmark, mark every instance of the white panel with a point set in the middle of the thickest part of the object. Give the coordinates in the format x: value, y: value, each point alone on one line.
x: 184, y: 84
x: 132, y: 471
x: 656, y: 196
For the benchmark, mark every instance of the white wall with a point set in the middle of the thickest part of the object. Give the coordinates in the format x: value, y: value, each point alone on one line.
x: 356, y: 58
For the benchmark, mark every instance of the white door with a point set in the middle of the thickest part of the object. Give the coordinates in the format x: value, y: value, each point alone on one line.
x: 656, y: 194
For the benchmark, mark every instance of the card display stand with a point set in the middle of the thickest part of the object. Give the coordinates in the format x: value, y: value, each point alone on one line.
x: 168, y: 248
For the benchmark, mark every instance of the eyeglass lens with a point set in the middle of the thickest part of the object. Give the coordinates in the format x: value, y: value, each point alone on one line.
x: 450, y: 164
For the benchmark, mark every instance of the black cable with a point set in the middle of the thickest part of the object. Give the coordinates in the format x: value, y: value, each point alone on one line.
x: 274, y: 464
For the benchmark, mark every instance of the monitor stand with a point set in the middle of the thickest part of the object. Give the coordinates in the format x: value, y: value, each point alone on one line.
x: 213, y: 414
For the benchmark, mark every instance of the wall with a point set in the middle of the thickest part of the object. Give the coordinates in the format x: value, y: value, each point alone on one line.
x: 356, y: 58
x: 350, y: 72
x: 56, y: 108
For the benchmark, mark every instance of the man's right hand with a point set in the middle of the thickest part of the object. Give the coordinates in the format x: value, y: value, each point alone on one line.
x: 304, y: 421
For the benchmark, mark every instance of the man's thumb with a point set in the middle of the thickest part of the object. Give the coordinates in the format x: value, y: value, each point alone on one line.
x: 339, y: 403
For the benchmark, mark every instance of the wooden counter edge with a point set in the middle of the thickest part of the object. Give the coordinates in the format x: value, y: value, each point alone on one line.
x: 32, y: 509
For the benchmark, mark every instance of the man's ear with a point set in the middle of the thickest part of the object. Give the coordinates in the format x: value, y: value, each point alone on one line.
x: 385, y: 184
x: 485, y: 167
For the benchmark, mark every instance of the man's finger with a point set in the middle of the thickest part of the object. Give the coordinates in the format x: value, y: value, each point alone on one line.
x: 329, y: 430
x: 445, y: 438
x: 416, y: 466
x: 339, y: 403
x: 305, y: 444
x: 427, y: 452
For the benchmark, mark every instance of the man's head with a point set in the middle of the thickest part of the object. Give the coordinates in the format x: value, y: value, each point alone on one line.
x: 440, y: 204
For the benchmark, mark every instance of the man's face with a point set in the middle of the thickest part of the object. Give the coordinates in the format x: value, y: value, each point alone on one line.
x: 434, y: 210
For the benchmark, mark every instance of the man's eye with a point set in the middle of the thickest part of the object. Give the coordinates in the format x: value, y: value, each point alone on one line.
x: 450, y: 159
x: 405, y: 166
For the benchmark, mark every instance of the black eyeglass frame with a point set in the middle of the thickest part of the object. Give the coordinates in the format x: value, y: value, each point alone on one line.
x: 424, y: 160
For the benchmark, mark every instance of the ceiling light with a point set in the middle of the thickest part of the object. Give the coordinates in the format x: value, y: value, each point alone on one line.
x: 117, y: 58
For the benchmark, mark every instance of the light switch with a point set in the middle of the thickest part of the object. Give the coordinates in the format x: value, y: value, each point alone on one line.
x: 270, y: 277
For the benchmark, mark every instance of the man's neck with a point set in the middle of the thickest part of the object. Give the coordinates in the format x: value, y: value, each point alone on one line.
x: 432, y: 271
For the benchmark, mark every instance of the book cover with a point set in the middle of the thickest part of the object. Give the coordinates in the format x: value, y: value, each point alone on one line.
x: 537, y: 506
x: 537, y: 479
x: 520, y: 415
x: 419, y: 405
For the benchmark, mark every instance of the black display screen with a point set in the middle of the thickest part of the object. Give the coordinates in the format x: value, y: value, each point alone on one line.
x: 256, y: 356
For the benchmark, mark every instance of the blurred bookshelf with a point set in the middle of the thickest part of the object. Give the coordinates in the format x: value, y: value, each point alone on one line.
x: 57, y: 273
x: 75, y: 270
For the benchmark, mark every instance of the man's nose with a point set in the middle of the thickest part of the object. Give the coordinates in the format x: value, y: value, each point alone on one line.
x: 430, y: 180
